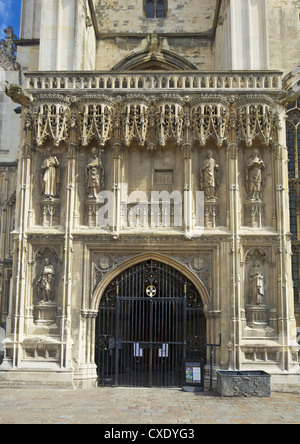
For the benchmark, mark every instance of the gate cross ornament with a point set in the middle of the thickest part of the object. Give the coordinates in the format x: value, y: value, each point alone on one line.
x: 151, y: 291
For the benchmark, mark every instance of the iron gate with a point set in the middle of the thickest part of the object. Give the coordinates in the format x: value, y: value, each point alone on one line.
x: 151, y: 319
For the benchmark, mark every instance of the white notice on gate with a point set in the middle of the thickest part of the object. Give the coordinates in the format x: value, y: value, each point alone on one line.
x: 138, y: 351
x: 164, y: 351
x: 196, y: 374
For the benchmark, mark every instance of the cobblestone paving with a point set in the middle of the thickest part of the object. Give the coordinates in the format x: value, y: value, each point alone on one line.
x: 142, y: 406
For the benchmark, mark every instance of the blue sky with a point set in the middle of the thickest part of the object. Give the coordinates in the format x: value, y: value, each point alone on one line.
x: 10, y: 11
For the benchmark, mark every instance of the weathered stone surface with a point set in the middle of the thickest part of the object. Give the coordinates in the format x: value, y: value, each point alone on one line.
x: 243, y: 384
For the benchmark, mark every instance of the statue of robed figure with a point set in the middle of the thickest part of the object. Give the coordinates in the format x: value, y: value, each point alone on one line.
x: 255, y: 176
x: 50, y: 175
x: 209, y: 177
x: 94, y: 175
x: 256, y: 285
x: 45, y: 282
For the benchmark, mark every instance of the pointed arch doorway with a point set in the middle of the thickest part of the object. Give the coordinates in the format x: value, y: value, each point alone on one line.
x: 150, y: 321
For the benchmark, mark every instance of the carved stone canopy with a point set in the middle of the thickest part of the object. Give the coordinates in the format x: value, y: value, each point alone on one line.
x: 152, y: 121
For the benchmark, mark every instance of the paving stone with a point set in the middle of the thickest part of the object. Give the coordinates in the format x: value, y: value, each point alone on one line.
x: 134, y: 406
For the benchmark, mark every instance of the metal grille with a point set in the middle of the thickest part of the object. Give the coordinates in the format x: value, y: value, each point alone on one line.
x: 151, y: 319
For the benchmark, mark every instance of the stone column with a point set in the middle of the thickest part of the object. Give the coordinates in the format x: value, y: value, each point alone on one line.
x: 86, y: 372
x: 66, y: 340
x: 65, y: 29
x: 188, y: 178
x: 20, y: 255
x: 233, y: 202
x: 187, y: 189
x: 117, y: 144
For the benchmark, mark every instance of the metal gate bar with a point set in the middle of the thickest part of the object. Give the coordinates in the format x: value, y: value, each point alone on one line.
x: 143, y: 339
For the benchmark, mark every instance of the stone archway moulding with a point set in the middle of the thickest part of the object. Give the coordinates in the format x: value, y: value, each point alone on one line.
x: 142, y: 258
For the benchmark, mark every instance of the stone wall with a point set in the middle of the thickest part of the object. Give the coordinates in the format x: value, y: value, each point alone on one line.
x: 284, y: 34
x: 198, y: 51
x: 249, y: 35
x: 128, y: 16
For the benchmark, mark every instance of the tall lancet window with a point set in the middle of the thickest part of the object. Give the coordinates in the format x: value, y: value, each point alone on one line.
x: 155, y: 8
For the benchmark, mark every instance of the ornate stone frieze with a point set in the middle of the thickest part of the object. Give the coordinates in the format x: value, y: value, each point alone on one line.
x: 136, y: 118
x: 51, y: 123
x: 210, y: 119
x: 257, y: 117
x: 95, y: 123
x: 198, y: 263
x: 152, y: 121
x: 170, y: 123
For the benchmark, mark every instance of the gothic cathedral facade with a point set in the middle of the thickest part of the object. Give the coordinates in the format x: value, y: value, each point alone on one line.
x: 149, y: 197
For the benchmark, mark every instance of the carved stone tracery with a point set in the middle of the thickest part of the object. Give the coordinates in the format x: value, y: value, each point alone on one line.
x: 95, y: 123
x: 152, y: 121
x: 210, y: 120
x: 51, y: 123
x: 257, y: 118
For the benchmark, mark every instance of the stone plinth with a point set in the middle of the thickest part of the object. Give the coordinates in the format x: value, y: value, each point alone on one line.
x: 50, y: 208
x: 93, y: 207
x: 211, y: 212
x: 257, y: 316
x: 45, y: 313
x: 255, y: 212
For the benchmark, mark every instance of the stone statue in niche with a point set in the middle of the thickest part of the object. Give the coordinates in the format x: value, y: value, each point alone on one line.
x: 45, y: 283
x: 255, y: 177
x: 256, y: 285
x: 209, y: 177
x: 50, y: 175
x: 94, y: 175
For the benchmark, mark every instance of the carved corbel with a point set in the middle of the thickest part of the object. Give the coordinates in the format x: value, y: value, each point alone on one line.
x: 89, y: 314
x: 233, y: 150
x: 187, y: 151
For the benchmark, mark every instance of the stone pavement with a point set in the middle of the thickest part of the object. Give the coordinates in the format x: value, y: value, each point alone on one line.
x: 142, y: 406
